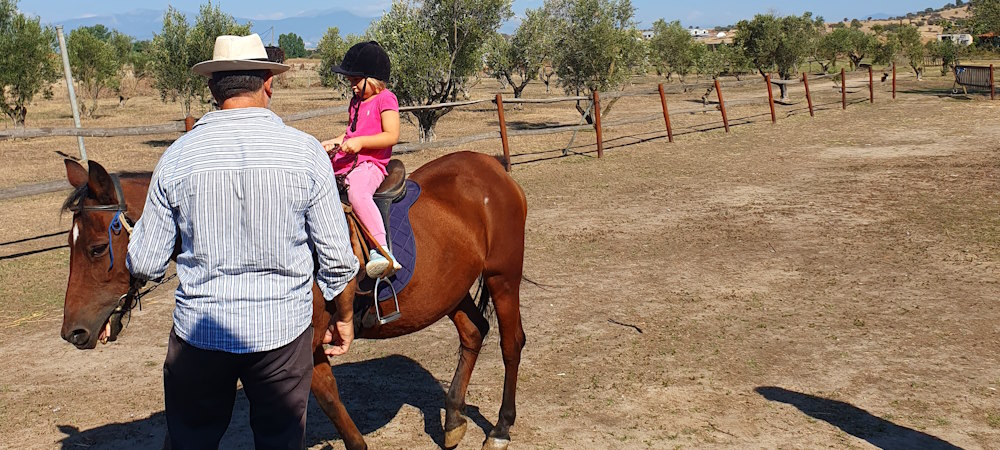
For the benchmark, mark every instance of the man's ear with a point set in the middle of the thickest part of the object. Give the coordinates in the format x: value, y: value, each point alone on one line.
x: 267, y: 85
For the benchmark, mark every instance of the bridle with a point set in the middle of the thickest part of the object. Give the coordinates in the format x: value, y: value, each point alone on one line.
x: 130, y: 299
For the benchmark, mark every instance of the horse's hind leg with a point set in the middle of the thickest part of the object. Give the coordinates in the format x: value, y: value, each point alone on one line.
x: 324, y: 388
x: 505, y: 290
x: 472, y: 328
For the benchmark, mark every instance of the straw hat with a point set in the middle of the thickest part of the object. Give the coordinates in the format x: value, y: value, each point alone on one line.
x: 238, y: 53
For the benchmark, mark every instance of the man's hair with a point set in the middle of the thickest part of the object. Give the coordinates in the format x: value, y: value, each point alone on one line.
x: 229, y: 84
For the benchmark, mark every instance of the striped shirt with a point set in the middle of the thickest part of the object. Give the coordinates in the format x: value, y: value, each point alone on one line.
x: 251, y: 200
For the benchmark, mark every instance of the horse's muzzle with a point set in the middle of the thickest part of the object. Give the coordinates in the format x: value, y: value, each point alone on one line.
x: 78, y: 337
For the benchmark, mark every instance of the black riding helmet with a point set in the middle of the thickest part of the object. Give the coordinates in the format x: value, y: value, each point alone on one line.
x: 365, y: 59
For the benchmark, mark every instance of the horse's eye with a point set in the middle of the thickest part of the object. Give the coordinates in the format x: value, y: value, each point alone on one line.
x: 98, y: 250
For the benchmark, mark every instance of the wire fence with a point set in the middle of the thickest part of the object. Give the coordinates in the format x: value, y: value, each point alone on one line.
x: 841, y: 82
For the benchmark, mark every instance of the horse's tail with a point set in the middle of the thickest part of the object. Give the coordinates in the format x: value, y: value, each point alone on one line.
x: 483, y: 303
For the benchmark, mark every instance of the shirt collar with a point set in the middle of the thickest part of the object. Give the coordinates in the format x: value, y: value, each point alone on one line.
x: 226, y: 115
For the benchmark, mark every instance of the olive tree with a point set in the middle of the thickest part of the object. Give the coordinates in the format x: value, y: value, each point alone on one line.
x: 434, y: 46
x: 97, y: 56
x: 28, y: 66
x: 900, y: 42
x: 179, y: 46
x: 597, y: 45
x: 778, y: 43
x: 519, y: 60
x: 986, y: 16
x: 672, y: 49
x: 330, y: 51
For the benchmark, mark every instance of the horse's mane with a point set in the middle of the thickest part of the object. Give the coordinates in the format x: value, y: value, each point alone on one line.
x: 500, y: 159
x: 80, y: 193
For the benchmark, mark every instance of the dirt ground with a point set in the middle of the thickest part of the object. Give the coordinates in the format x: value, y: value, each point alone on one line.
x: 825, y: 282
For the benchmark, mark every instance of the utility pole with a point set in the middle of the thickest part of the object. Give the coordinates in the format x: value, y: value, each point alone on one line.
x: 69, y: 85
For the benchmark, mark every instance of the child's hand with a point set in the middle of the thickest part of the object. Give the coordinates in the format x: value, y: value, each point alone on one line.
x: 351, y: 145
x: 331, y: 145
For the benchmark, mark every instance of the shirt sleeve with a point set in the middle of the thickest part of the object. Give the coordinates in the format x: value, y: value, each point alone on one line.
x: 388, y: 102
x: 152, y: 242
x: 327, y: 229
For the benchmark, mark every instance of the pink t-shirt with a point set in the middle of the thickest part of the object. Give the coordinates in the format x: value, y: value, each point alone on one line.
x: 369, y: 124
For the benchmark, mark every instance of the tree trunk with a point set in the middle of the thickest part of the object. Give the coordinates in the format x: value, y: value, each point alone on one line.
x: 919, y: 71
x: 426, y: 121
x: 518, y: 90
x: 587, y: 115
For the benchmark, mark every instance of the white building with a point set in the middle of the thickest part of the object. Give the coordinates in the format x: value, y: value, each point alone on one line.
x: 698, y: 33
x: 961, y: 39
x: 647, y: 34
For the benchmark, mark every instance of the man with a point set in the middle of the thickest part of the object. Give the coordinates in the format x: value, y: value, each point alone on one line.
x: 250, y: 199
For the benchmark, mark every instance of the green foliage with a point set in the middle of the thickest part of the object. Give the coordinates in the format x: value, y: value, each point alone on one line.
x: 672, y: 49
x: 986, y: 16
x: 946, y: 52
x: 597, y: 44
x: 711, y: 63
x: 293, y: 45
x: 519, y: 60
x: 179, y: 46
x: 900, y: 43
x: 773, y: 43
x: 97, y: 56
x: 29, y: 65
x: 852, y: 43
x: 434, y: 46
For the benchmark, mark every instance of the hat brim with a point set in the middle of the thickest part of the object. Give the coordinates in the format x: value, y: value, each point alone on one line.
x: 207, y: 68
x: 346, y: 73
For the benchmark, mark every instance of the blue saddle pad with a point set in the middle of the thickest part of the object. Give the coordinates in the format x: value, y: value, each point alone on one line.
x: 404, y: 246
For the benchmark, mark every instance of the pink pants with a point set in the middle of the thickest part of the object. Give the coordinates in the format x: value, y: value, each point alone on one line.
x: 363, y: 182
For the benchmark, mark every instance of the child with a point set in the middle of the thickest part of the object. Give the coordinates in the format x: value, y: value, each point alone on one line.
x: 363, y: 151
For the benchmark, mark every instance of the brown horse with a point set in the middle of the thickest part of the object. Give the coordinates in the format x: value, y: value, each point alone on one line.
x: 469, y: 223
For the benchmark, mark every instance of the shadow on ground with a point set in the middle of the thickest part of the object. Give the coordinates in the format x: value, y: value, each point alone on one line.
x: 857, y: 422
x: 374, y: 392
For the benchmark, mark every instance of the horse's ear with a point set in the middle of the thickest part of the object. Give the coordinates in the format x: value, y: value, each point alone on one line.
x: 76, y: 174
x: 100, y: 184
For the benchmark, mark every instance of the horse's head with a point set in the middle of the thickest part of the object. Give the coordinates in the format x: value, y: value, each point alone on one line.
x: 98, y: 241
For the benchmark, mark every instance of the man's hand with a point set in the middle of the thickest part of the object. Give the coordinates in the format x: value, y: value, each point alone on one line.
x: 340, y: 334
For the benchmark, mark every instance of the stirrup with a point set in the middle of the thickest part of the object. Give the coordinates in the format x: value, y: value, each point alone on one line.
x: 378, y: 312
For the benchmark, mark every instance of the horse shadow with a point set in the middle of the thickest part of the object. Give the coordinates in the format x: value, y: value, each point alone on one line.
x: 857, y: 422
x: 373, y: 392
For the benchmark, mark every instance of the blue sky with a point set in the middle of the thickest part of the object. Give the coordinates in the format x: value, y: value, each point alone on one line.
x: 701, y: 13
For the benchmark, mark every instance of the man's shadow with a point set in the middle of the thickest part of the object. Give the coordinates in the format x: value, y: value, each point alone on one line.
x: 373, y: 391
x: 857, y: 422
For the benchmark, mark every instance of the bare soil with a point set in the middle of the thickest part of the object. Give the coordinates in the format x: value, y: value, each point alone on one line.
x: 822, y: 282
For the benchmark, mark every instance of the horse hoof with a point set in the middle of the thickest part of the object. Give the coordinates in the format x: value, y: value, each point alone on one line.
x: 496, y: 444
x: 453, y: 437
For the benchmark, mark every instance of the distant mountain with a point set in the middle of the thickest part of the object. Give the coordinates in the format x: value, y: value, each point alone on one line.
x: 311, y: 26
x: 880, y: 16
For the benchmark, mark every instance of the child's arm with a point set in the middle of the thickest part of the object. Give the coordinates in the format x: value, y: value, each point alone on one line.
x: 331, y: 144
x: 387, y: 138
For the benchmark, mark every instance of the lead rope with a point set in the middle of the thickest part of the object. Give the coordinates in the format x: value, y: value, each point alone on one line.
x: 114, y: 229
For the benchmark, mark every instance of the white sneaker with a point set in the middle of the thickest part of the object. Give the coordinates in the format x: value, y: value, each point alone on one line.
x: 377, y: 264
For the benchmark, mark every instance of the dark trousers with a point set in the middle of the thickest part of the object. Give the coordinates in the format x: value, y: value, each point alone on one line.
x: 200, y: 390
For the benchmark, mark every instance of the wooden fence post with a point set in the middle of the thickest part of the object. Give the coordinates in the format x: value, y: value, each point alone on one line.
x: 843, y: 88
x: 770, y: 97
x: 893, y: 81
x: 871, y: 85
x: 809, y: 99
x: 188, y: 123
x: 993, y: 90
x: 666, y: 113
x: 68, y: 72
x: 597, y: 125
x: 503, y: 133
x: 722, y: 105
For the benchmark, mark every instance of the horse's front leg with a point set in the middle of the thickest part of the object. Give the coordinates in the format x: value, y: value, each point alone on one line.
x: 324, y: 385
